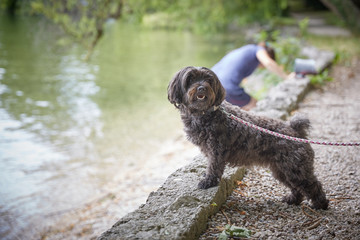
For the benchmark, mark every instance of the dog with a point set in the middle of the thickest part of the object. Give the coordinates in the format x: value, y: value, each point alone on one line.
x: 199, y: 96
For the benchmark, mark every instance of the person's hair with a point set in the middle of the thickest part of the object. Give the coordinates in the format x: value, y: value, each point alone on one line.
x: 270, y: 51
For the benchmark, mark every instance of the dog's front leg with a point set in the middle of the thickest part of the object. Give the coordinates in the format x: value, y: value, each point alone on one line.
x: 214, y: 171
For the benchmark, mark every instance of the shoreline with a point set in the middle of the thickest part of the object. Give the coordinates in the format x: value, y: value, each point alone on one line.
x: 98, y: 215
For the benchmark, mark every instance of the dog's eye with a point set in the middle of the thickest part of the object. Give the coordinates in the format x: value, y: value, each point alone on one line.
x: 190, y: 81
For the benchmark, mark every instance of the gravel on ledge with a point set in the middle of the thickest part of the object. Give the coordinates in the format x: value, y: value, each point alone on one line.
x: 255, y: 204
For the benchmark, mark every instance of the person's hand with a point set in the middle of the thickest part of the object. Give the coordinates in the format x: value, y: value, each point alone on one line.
x: 291, y: 75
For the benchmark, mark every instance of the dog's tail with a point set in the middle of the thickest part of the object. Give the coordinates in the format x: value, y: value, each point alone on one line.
x: 300, y: 124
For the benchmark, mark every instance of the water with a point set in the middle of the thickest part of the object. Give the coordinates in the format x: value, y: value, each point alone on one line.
x: 69, y: 128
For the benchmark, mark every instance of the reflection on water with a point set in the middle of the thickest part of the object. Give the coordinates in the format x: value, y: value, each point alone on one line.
x: 69, y: 127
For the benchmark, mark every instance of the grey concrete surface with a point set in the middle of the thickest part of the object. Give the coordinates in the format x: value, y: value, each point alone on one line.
x: 178, y: 210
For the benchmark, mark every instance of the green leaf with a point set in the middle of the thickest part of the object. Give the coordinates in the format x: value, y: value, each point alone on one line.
x: 234, y: 231
x: 320, y: 79
x: 239, y: 232
x: 223, y: 236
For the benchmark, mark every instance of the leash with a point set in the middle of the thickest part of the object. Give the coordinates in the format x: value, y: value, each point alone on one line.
x: 295, y: 139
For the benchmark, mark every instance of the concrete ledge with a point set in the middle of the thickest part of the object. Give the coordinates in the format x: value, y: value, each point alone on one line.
x: 284, y: 98
x: 178, y: 210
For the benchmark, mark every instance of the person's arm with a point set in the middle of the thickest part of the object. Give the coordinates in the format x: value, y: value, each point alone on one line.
x: 271, y: 65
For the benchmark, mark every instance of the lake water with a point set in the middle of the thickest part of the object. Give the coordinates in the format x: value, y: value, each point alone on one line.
x: 70, y: 128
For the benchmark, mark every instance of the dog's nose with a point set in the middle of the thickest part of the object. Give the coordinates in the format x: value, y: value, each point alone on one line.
x: 201, y: 89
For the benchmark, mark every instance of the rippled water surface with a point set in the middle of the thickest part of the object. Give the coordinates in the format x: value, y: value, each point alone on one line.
x: 68, y: 127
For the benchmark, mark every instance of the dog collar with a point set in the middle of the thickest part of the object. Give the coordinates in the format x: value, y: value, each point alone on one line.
x: 210, y: 110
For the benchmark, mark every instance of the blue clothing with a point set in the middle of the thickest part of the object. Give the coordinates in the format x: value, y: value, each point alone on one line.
x: 233, y: 68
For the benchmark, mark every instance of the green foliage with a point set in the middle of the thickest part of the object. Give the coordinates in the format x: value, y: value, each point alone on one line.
x: 342, y: 57
x: 303, y: 26
x: 7, y: 4
x: 332, y: 19
x: 267, y: 36
x: 344, y: 47
x: 83, y: 20
x: 321, y: 79
x: 286, y: 49
x: 207, y: 15
x: 234, y: 232
x: 348, y: 11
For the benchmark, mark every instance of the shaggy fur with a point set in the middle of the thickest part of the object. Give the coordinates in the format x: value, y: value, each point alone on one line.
x: 197, y: 93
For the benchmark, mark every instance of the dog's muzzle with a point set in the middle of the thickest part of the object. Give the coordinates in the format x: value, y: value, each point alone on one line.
x: 201, y: 93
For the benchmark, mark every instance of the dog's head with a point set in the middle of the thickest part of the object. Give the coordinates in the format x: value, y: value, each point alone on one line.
x: 196, y: 88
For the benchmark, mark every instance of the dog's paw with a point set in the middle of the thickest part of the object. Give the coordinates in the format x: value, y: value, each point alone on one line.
x: 208, y: 182
x: 292, y: 200
x: 320, y: 205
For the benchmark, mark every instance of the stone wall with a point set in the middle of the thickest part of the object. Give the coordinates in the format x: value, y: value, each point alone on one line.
x: 178, y: 210
x: 284, y: 98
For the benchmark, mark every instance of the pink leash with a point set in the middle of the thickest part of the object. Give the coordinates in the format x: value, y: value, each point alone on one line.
x: 286, y: 136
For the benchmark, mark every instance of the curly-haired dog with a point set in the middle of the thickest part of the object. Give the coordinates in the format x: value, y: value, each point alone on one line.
x: 197, y: 93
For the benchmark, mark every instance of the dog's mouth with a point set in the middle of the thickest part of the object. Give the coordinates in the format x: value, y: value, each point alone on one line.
x: 200, y: 97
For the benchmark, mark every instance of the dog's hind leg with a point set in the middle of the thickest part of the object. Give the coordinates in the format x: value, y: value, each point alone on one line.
x: 314, y: 191
x: 295, y: 197
x: 308, y: 186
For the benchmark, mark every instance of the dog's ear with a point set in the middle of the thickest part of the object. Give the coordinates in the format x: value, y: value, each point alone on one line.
x: 175, y: 89
x: 220, y: 94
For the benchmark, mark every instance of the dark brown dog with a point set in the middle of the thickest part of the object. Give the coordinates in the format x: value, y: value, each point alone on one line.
x: 198, y: 94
